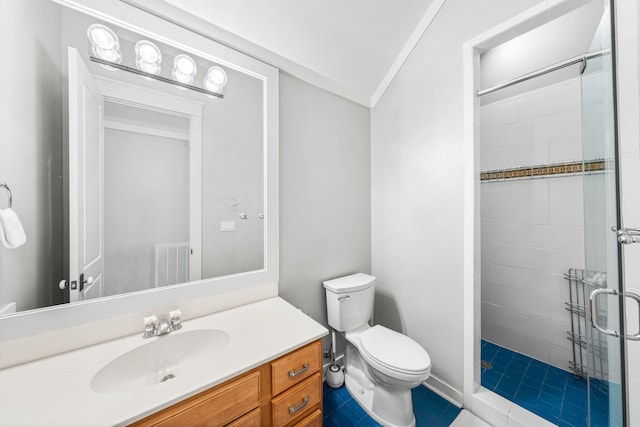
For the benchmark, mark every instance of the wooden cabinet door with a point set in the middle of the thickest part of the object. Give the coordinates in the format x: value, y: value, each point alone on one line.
x: 212, y: 408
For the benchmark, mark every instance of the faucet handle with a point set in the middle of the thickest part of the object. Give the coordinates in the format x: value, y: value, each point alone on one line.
x: 150, y: 326
x: 175, y: 319
x: 150, y: 320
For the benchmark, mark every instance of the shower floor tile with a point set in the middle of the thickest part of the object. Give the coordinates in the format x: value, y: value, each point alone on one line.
x: 545, y: 390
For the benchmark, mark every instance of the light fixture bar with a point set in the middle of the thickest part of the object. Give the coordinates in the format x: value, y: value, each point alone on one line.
x: 154, y: 76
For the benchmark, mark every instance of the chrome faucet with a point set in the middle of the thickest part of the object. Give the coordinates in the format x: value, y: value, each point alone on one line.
x: 154, y: 328
x: 163, y: 328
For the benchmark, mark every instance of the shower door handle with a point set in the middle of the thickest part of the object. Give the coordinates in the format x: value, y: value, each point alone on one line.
x: 594, y: 321
x: 636, y: 298
x: 592, y: 306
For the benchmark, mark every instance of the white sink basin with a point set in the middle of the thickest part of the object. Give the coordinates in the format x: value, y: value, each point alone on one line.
x: 164, y: 359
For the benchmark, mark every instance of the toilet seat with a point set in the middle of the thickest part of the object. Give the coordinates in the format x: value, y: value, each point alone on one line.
x: 394, y: 352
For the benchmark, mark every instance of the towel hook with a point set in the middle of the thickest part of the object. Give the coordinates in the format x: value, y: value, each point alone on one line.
x: 6, y: 187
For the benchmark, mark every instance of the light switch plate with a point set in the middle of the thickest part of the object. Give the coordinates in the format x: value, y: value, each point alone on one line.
x: 227, y: 226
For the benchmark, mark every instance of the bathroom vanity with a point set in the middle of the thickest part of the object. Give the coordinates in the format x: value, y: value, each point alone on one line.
x: 264, y: 369
x: 286, y: 391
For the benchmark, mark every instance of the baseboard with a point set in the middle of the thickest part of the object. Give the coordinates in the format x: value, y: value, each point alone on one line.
x: 444, y: 390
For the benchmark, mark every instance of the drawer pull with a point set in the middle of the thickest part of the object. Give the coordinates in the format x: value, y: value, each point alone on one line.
x: 294, y: 409
x: 304, y: 369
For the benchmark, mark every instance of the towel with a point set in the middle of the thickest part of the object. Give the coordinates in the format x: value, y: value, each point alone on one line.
x: 11, y: 231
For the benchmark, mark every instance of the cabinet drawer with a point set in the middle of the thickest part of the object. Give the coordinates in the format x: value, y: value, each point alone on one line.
x: 295, y: 367
x: 296, y: 402
x: 252, y: 419
x: 213, y: 408
x: 313, y: 420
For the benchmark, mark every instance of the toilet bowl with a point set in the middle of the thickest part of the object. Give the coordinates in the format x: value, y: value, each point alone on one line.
x: 395, y: 358
x: 382, y: 365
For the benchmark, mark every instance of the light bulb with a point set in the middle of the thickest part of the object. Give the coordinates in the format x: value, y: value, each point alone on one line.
x: 103, y: 37
x: 185, y: 65
x: 148, y: 57
x: 148, y: 67
x: 211, y: 86
x: 148, y: 52
x: 217, y: 76
x: 111, y: 55
x: 216, y: 79
x: 104, y: 44
x: 184, y: 69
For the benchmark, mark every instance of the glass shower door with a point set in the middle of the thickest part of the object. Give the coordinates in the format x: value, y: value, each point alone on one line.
x: 603, y: 284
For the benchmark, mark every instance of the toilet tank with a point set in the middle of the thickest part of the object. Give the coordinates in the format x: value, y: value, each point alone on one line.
x: 349, y: 301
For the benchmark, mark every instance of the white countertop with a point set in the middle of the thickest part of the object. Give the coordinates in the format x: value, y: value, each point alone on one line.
x: 56, y: 391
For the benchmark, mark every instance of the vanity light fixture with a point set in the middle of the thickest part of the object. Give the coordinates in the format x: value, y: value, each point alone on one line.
x: 184, y: 69
x: 105, y: 50
x: 215, y: 80
x: 104, y: 43
x: 148, y: 57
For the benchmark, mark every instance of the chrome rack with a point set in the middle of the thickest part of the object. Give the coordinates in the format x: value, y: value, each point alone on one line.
x: 589, y: 348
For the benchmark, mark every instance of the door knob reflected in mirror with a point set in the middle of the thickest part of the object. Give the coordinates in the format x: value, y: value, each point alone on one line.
x: 84, y: 282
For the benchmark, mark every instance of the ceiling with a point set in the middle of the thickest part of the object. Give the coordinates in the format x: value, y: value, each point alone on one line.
x: 351, y: 48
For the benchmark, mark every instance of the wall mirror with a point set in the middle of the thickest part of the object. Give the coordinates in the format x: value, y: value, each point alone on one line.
x: 149, y: 181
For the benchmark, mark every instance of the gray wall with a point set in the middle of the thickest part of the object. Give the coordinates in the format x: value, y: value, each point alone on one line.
x: 31, y: 150
x: 325, y: 192
x: 146, y: 202
x: 232, y: 158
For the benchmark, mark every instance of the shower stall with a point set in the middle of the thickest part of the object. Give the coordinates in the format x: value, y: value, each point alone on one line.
x: 550, y: 257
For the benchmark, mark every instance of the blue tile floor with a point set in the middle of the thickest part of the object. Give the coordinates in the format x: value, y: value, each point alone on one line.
x: 552, y: 393
x: 340, y: 410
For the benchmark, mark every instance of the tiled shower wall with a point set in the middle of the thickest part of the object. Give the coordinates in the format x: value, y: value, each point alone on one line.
x: 532, y: 228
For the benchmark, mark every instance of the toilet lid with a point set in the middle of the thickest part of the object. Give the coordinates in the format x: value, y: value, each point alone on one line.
x: 395, y: 351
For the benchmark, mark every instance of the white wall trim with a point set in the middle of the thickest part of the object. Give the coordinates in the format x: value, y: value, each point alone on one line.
x: 405, y: 52
x: 148, y: 99
x: 145, y: 130
x: 444, y: 390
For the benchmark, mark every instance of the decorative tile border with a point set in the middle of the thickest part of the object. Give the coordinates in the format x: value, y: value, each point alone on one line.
x: 540, y: 171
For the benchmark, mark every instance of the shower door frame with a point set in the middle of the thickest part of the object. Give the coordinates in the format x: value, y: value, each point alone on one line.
x: 487, y: 404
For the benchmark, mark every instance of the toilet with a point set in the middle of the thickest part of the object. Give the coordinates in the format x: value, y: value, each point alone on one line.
x: 381, y: 365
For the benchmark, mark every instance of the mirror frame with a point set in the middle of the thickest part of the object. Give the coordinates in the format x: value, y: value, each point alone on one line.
x: 263, y: 283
